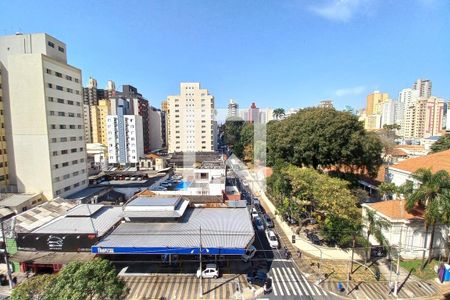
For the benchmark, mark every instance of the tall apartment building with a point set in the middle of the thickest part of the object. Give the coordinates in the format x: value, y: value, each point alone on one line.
x: 191, y: 120
x: 388, y: 112
x: 424, y: 118
x: 233, y: 109
x: 165, y: 124
x: 44, y: 127
x: 98, y: 115
x: 156, y: 121
x: 423, y: 86
x: 124, y: 133
x: 253, y: 114
x: 374, y: 102
x: 3, y: 146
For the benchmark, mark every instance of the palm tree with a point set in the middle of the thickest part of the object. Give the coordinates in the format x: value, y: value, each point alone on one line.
x: 278, y: 113
x: 429, y: 196
x: 387, y: 189
x: 375, y: 226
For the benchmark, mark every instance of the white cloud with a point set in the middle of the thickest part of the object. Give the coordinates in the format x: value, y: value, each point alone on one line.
x: 351, y: 91
x: 341, y: 10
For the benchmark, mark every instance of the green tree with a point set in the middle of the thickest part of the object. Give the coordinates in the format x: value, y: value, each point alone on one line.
x: 316, y: 137
x: 34, y: 288
x: 428, y: 196
x: 95, y: 279
x: 278, y: 113
x: 387, y: 189
x: 442, y: 144
x: 374, y: 226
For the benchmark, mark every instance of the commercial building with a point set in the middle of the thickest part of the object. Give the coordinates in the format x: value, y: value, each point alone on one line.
x: 156, y: 127
x: 164, y: 122
x: 150, y: 220
x: 18, y: 203
x: 3, y: 147
x: 191, y: 120
x: 388, y: 112
x: 42, y: 98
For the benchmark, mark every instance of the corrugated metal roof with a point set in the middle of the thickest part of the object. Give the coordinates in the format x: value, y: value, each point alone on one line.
x: 99, y: 223
x: 84, y: 210
x: 154, y: 201
x: 221, y: 228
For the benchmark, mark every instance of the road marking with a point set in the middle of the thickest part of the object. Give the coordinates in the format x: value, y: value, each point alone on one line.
x: 282, y: 281
x: 295, y: 282
x: 305, y: 281
x: 278, y: 283
x: 289, y: 281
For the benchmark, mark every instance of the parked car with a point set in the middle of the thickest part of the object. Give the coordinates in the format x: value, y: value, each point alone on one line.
x: 268, y: 221
x: 254, y: 213
x: 249, y: 253
x: 259, y: 224
x: 290, y: 220
x: 257, y: 277
x: 273, y: 239
x: 260, y: 208
x: 256, y: 201
x: 211, y: 271
x: 314, y: 238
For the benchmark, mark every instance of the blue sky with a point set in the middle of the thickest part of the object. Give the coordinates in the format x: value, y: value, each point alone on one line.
x: 290, y: 53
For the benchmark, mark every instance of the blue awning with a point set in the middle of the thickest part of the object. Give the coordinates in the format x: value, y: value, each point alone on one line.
x: 166, y: 250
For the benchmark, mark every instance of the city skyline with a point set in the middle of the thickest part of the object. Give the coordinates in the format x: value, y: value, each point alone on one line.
x: 353, y: 55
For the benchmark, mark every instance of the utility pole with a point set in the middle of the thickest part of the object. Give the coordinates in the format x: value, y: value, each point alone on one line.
x: 201, y: 275
x: 5, y: 252
x: 398, y: 261
x: 351, y: 265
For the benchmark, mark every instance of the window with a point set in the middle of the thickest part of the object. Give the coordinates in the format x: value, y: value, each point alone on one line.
x: 73, y: 150
x: 51, y: 44
x: 52, y: 113
x: 56, y: 166
x: 61, y: 114
x: 53, y: 140
x: 65, y: 164
x: 59, y: 88
x: 50, y: 99
x: 69, y: 77
x: 77, y: 80
x: 63, y: 151
x: 63, y: 139
x: 70, y: 102
x: 69, y: 90
x: 74, y: 162
x: 62, y: 126
x: 67, y: 188
x: 53, y: 126
x: 55, y: 153
x: 73, y: 138
x: 49, y: 71
x: 57, y: 74
x: 49, y: 85
x: 67, y: 176
x: 61, y: 49
x: 60, y: 100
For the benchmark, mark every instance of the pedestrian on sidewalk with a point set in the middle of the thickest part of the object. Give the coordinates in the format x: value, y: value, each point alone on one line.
x: 299, y: 254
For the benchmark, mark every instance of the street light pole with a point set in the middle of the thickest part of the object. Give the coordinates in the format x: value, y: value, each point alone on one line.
x: 201, y: 275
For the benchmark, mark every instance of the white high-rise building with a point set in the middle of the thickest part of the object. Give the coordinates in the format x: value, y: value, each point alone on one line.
x: 191, y: 120
x: 124, y: 135
x: 388, y: 112
x: 233, y: 109
x: 43, y: 102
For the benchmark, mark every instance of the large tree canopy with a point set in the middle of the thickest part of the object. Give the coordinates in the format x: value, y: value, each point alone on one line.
x: 95, y: 279
x: 442, y: 144
x: 323, y: 137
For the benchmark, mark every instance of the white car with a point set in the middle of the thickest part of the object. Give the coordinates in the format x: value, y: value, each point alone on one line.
x: 254, y: 213
x: 211, y: 271
x: 249, y: 253
x: 245, y: 183
x: 272, y: 238
x: 259, y: 223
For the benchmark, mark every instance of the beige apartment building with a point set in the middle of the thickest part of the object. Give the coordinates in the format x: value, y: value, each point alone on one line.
x: 98, y: 121
x: 424, y: 118
x: 44, y: 121
x: 191, y: 120
x: 3, y: 147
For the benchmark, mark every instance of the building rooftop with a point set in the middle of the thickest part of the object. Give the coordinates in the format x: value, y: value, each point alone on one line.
x: 395, y: 210
x: 85, y: 218
x: 222, y: 228
x: 435, y: 162
x: 16, y: 199
x: 37, y: 216
x: 154, y: 201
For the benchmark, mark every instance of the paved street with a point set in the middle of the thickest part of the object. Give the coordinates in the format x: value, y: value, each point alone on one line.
x: 182, y: 287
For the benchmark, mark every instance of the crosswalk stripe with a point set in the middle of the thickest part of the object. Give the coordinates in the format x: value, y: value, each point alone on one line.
x: 301, y: 282
x: 278, y: 283
x: 150, y: 287
x: 283, y: 282
x: 301, y: 278
x: 133, y: 284
x: 289, y: 281
x: 428, y: 287
x: 141, y: 289
x: 295, y: 282
x: 172, y: 290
